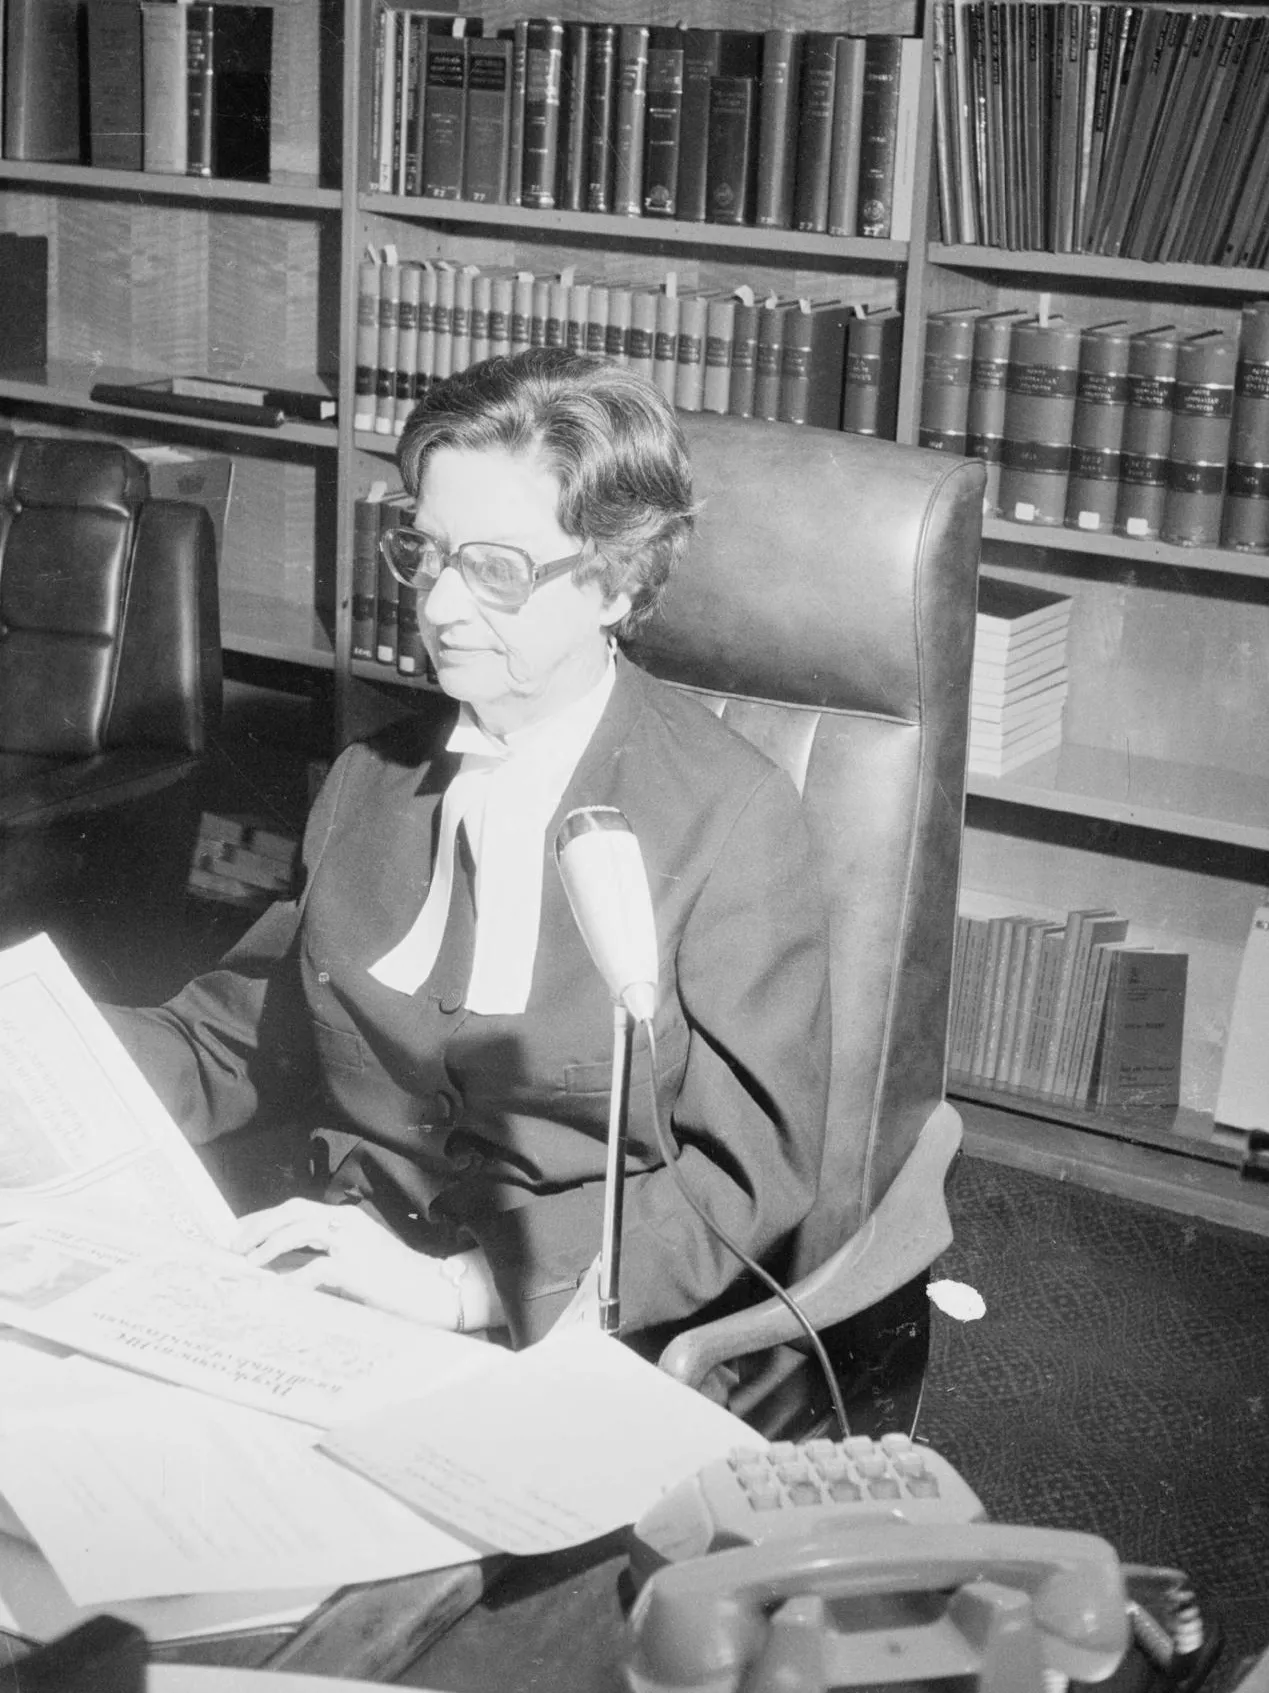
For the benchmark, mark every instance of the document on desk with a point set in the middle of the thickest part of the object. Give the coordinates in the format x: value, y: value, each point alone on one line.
x: 208, y: 1320
x: 79, y: 1124
x: 545, y: 1448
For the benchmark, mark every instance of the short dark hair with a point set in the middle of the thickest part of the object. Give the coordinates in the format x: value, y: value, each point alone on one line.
x: 611, y: 440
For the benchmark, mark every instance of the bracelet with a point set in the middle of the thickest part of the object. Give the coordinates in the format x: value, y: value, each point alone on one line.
x: 455, y: 1272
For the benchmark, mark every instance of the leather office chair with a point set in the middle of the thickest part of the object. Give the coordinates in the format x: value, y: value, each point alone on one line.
x: 827, y: 613
x: 110, y: 674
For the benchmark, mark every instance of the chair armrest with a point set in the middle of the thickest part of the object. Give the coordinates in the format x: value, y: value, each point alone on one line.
x: 903, y: 1236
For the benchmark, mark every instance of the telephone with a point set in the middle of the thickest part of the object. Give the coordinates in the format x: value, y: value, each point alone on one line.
x: 862, y: 1563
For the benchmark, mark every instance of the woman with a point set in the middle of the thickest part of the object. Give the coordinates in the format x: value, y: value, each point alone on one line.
x: 430, y: 979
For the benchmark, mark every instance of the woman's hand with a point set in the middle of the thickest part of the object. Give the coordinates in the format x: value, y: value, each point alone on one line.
x: 360, y: 1258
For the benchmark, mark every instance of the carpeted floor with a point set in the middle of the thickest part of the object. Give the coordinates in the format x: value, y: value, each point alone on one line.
x: 1118, y: 1383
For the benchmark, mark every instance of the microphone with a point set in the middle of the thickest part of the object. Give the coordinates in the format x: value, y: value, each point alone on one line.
x: 601, y: 867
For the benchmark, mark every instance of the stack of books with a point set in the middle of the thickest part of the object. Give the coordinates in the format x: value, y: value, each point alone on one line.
x: 239, y: 862
x: 1019, y: 678
x: 1067, y: 1008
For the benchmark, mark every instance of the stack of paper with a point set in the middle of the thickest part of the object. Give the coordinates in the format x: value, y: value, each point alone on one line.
x: 1019, y: 677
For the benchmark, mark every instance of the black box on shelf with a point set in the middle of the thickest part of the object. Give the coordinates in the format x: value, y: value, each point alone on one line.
x: 23, y: 301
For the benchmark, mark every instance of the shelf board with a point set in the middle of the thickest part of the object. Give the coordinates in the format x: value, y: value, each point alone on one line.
x: 264, y: 626
x: 384, y: 445
x: 367, y: 670
x: 1219, y: 279
x: 154, y: 185
x: 65, y: 383
x: 1104, y: 545
x: 647, y: 231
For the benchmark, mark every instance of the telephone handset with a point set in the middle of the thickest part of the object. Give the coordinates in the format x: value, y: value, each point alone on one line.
x: 883, y: 1603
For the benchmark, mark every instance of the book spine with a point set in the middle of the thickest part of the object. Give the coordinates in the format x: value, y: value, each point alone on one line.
x: 481, y: 308
x: 948, y: 362
x: 199, y: 92
x: 643, y: 332
x: 365, y: 570
x: 574, y: 109
x: 387, y: 591
x: 689, y: 383
x: 444, y: 116
x: 663, y: 123
x: 165, y: 80
x: 601, y: 118
x: 817, y: 88
x: 730, y: 157
x: 701, y: 59
x: 744, y: 356
x: 425, y: 359
x: 619, y: 328
x: 386, y: 353
x: 519, y: 96
x: 42, y: 77
x: 878, y: 133
x: 1202, y: 407
x: 1097, y: 429
x: 795, y: 365
x: 870, y: 389
x: 556, y: 331
x: 720, y: 335
x: 578, y: 326
x: 412, y: 37
x: 486, y: 143
x: 544, y: 65
x: 597, y: 320
x: 843, y: 171
x: 443, y: 323
x: 631, y: 119
x: 769, y: 361
x: 665, y: 345
x: 501, y: 303
x: 460, y: 319
x: 1039, y: 413
x: 1245, y: 520
x: 1143, y: 461
x: 407, y: 344
x: 777, y: 129
x: 114, y: 84
x: 1145, y: 1024
x: 522, y: 312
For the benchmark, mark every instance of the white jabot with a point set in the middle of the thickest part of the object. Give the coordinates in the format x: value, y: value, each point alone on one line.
x: 505, y: 792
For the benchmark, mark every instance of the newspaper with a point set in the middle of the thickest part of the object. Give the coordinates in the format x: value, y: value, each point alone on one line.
x: 79, y: 1124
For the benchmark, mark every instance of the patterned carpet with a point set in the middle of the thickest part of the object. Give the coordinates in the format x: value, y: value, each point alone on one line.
x: 1119, y: 1382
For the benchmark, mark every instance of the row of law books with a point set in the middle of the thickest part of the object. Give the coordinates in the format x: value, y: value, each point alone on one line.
x: 144, y: 84
x: 1019, y: 679
x: 1146, y: 432
x: 781, y: 129
x: 1133, y: 131
x: 385, y: 623
x: 783, y: 359
x: 1068, y: 1009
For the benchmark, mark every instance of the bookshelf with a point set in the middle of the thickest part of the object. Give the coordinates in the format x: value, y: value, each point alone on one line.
x: 1158, y: 802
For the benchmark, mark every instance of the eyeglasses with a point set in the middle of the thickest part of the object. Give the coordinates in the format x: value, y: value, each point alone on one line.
x: 498, y: 576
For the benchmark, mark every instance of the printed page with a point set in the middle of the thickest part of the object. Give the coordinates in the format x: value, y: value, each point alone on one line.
x: 79, y: 1124
x: 551, y: 1447
x: 211, y: 1321
x: 148, y: 1497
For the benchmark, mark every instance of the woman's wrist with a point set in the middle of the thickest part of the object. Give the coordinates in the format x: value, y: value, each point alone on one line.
x: 477, y: 1304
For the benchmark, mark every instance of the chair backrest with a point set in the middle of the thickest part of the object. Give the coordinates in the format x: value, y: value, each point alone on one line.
x: 827, y: 613
x: 109, y: 615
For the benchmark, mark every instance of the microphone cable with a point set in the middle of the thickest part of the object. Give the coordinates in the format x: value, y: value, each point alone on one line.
x: 670, y: 1156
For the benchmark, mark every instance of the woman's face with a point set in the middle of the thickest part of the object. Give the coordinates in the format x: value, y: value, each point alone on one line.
x: 512, y: 668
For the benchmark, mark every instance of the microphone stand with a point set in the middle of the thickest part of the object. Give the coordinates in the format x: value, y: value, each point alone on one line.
x: 615, y: 1171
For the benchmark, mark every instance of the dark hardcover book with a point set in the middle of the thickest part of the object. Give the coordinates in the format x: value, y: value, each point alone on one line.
x: 1034, y: 41
x: 1068, y: 20
x: 870, y: 388
x: 115, y: 129
x: 879, y: 128
x: 813, y: 363
x: 1141, y: 31
x: 24, y: 321
x: 997, y: 123
x: 486, y: 147
x: 1139, y: 1063
x: 601, y: 117
x: 367, y: 344
x: 1236, y: 35
x: 817, y: 87
x: 1245, y: 519
x: 519, y: 33
x: 444, y: 115
x: 945, y: 161
x: 702, y: 55
x: 985, y: 410
x: 1143, y: 458
x: 663, y: 123
x: 365, y: 573
x: 630, y: 119
x: 1101, y: 394
x: 945, y: 373
x: 777, y: 128
x: 544, y: 70
x: 44, y: 82
x: 1039, y: 415
x: 394, y: 510
x: 744, y: 355
x: 1110, y: 48
x: 1202, y: 408
x: 973, y: 15
x: 229, y: 93
x: 574, y: 116
x: 843, y: 168
x: 1180, y: 104
x: 769, y: 358
x: 732, y: 156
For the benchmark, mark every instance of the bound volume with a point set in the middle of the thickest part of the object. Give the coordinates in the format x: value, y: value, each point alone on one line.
x: 1097, y: 431
x: 1039, y: 414
x: 230, y: 52
x: 1143, y: 464
x: 1245, y: 524
x: 1202, y: 402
